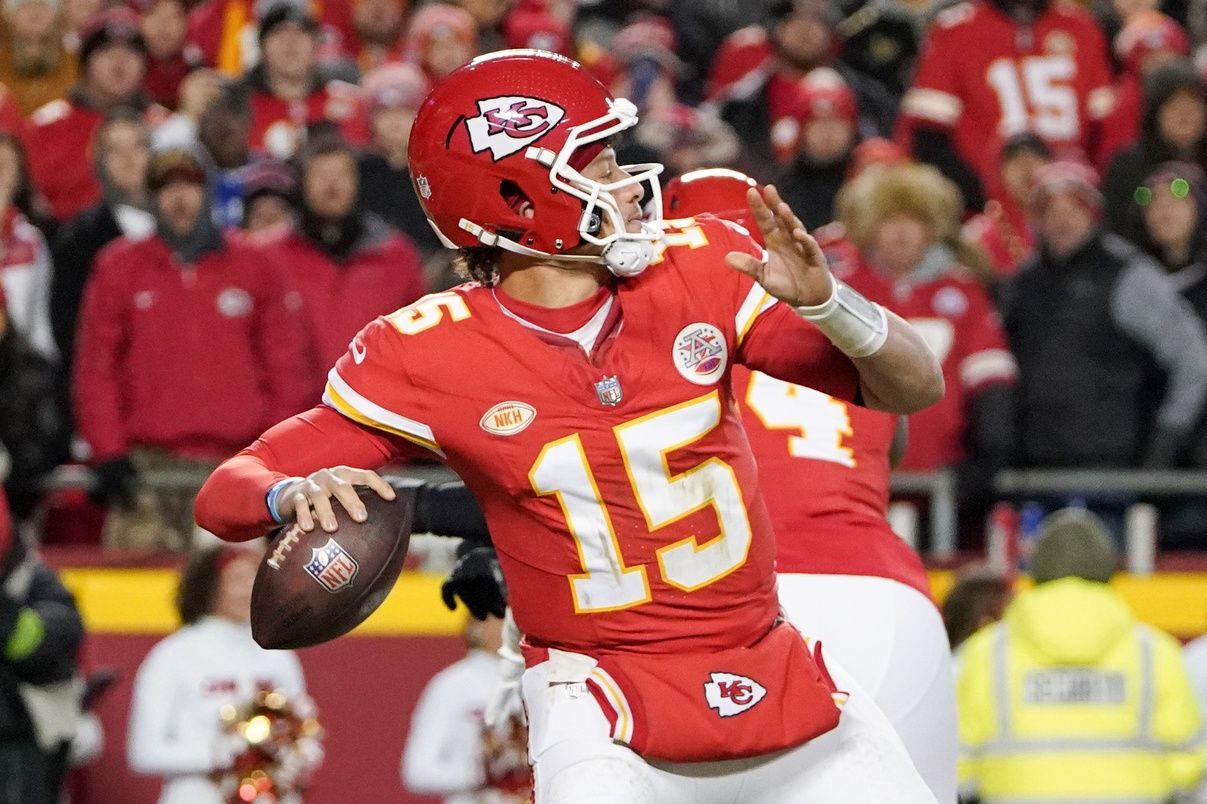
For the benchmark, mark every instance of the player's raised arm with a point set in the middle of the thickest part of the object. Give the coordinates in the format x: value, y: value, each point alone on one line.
x: 898, y: 372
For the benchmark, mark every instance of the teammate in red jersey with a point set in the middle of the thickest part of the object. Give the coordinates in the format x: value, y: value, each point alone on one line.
x: 844, y: 576
x: 990, y: 69
x: 586, y: 402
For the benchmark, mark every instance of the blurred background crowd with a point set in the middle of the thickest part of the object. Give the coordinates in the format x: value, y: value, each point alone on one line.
x: 201, y: 201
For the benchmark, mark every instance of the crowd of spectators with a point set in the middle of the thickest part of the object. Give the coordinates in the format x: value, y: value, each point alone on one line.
x: 201, y: 202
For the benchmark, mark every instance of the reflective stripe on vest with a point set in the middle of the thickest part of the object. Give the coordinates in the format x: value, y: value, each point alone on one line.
x: 1007, y: 743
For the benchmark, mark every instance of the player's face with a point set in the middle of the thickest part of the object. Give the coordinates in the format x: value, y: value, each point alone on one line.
x: 1170, y: 220
x: 115, y: 71
x: 179, y: 205
x: 330, y: 185
x: 827, y: 139
x: 899, y: 243
x: 604, y: 169
x: 1182, y: 119
x: 125, y: 157
x: 1065, y: 223
x: 290, y: 51
x: 1018, y: 175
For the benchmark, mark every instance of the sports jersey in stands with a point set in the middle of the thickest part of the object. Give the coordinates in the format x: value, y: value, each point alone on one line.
x: 957, y: 318
x: 987, y: 77
x: 619, y: 488
x: 824, y: 471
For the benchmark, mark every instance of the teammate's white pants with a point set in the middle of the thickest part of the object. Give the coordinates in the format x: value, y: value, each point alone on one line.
x: 576, y: 762
x: 891, y: 639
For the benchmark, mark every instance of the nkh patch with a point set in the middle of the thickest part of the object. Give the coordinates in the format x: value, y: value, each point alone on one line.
x: 332, y: 566
x: 508, y: 123
x: 700, y: 353
x: 609, y: 391
x: 731, y: 694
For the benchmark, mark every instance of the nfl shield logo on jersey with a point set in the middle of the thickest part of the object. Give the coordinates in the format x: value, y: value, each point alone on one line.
x: 732, y: 694
x: 331, y: 566
x: 609, y: 391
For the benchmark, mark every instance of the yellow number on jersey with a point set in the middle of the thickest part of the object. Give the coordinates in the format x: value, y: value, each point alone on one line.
x: 428, y: 312
x: 665, y: 498
x: 822, y: 420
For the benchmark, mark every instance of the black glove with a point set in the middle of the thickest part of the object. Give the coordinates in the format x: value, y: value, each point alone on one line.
x: 116, y: 483
x: 478, y: 582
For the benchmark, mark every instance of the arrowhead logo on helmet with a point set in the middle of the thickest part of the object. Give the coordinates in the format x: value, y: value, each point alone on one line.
x: 507, y: 124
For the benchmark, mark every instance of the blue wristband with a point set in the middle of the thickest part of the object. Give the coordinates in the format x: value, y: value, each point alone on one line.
x: 271, y: 498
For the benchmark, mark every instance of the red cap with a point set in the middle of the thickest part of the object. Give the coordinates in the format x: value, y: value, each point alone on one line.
x: 118, y: 24
x: 821, y: 93
x: 652, y: 38
x: 440, y: 21
x: 876, y: 151
x: 1066, y: 176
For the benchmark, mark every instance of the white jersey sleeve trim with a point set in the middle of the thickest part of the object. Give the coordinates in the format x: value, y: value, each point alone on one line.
x: 932, y: 104
x: 987, y: 365
x: 343, y: 398
x: 757, y: 302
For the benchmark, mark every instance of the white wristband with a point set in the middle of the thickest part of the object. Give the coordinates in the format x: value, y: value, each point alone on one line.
x: 857, y: 326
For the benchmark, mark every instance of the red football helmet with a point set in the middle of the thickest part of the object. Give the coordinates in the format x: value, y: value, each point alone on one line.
x: 508, y: 133
x: 717, y: 191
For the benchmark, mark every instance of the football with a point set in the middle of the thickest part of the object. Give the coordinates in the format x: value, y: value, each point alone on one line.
x: 313, y: 587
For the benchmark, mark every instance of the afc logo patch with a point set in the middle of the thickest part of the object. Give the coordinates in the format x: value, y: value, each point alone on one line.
x: 331, y: 566
x: 507, y: 124
x: 700, y: 353
x: 732, y: 694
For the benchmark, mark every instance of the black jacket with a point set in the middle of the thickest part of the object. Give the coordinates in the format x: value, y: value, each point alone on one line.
x: 54, y: 657
x: 74, y: 249
x: 34, y: 427
x: 1112, y: 362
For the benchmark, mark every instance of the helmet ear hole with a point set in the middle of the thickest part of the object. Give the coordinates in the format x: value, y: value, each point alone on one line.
x: 517, y: 199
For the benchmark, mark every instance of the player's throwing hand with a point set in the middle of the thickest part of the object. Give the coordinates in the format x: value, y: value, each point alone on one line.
x: 795, y: 269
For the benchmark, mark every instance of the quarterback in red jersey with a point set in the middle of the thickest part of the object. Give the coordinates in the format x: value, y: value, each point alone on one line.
x: 843, y: 574
x: 581, y: 389
x: 990, y: 69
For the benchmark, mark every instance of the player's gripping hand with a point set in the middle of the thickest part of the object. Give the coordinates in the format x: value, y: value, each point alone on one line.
x: 308, y: 500
x: 476, y: 581
x: 795, y: 270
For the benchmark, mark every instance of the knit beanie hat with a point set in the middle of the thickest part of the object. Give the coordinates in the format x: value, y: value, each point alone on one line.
x: 1073, y: 543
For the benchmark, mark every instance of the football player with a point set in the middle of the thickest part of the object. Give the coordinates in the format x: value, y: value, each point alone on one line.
x: 844, y: 577
x: 991, y: 69
x: 581, y: 387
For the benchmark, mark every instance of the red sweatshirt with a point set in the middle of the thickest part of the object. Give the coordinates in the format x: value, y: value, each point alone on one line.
x: 196, y: 359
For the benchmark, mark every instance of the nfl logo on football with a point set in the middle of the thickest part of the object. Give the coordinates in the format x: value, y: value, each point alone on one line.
x: 331, y: 566
x: 608, y: 390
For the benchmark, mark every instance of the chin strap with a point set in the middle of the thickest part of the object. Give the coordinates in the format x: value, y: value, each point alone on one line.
x: 623, y: 258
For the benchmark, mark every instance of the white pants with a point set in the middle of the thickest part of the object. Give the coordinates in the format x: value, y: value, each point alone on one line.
x: 576, y: 762
x: 891, y: 639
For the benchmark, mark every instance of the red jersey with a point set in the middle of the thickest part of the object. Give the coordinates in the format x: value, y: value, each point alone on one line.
x: 987, y: 77
x: 958, y: 320
x: 619, y: 487
x: 824, y: 469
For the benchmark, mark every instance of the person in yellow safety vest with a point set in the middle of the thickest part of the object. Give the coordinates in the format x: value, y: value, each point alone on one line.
x: 1069, y: 698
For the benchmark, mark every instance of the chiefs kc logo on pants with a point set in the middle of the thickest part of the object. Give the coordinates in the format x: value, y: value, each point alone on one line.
x: 731, y: 694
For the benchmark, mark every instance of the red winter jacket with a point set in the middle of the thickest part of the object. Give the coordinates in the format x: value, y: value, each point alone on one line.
x: 382, y: 273
x: 279, y: 126
x: 197, y: 359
